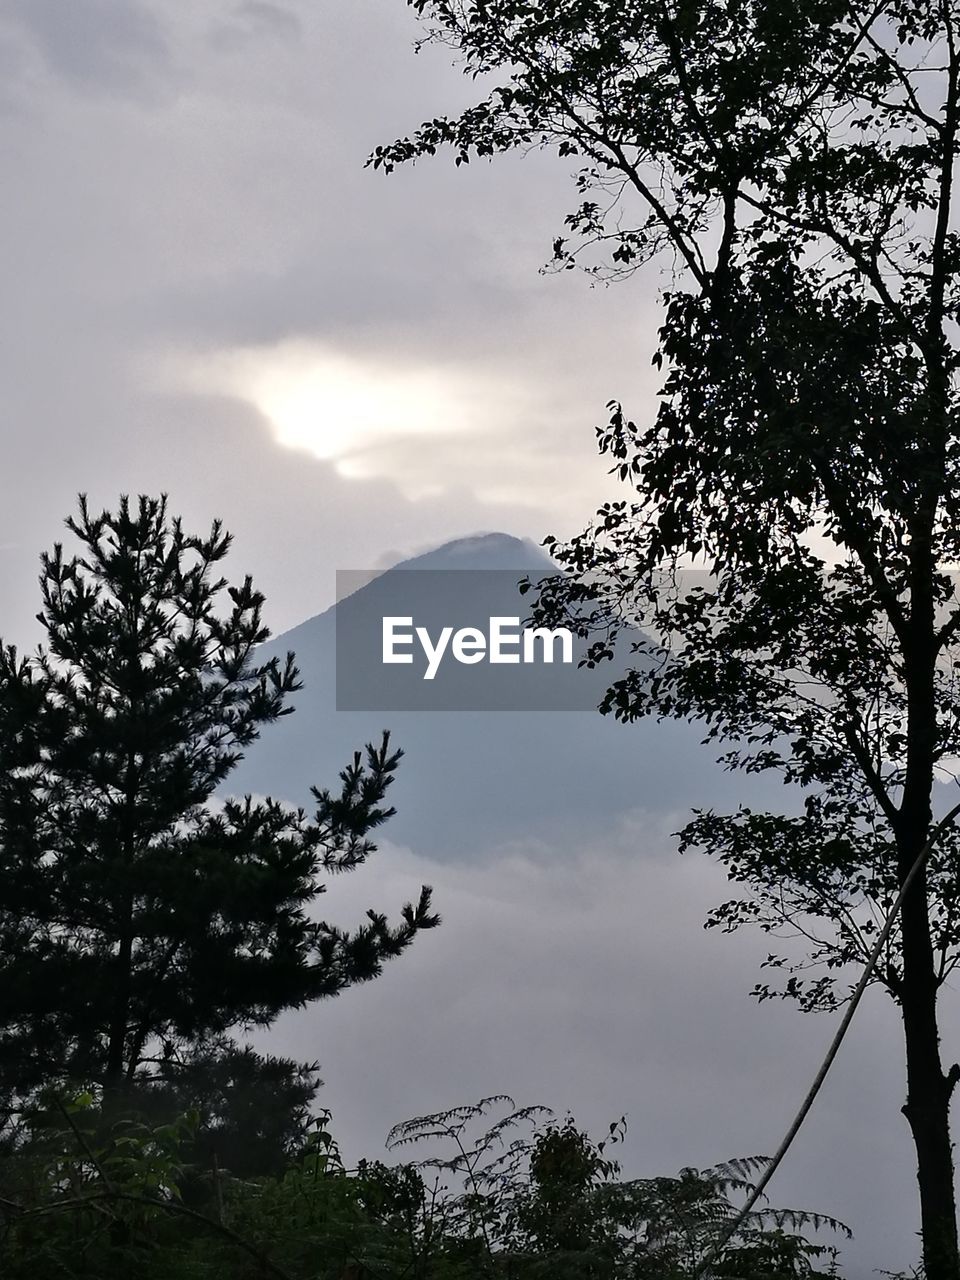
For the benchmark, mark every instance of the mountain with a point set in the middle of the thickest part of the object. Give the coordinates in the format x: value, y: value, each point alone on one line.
x: 476, y: 780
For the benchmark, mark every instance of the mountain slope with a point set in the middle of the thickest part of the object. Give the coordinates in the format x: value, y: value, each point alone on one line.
x: 476, y: 780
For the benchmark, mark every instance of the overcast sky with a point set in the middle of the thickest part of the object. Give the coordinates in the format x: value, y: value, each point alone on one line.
x: 205, y: 292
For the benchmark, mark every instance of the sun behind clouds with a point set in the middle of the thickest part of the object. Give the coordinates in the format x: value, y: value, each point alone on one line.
x: 428, y: 428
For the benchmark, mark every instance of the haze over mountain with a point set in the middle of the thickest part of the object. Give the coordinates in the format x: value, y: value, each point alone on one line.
x: 571, y: 967
x: 473, y: 781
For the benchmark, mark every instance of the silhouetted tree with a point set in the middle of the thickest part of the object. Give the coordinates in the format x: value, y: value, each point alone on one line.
x: 797, y: 159
x: 541, y: 1205
x: 253, y: 1111
x: 141, y: 918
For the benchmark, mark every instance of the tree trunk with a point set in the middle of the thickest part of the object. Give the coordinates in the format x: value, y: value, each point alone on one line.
x: 927, y: 1108
x: 119, y: 1022
x: 117, y: 1041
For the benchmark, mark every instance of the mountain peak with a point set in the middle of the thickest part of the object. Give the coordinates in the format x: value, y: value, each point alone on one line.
x: 475, y: 551
x: 481, y: 551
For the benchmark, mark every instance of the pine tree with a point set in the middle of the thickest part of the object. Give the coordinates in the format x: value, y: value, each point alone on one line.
x: 142, y: 919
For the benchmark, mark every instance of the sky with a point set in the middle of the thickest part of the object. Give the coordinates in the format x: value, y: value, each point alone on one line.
x: 207, y: 293
x: 581, y: 977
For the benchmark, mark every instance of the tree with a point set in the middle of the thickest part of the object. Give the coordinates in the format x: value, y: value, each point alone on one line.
x: 552, y: 1204
x: 254, y: 1112
x: 797, y: 159
x: 142, y: 919
x: 503, y: 1206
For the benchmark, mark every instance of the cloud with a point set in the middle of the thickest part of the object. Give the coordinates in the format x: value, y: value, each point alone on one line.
x: 234, y: 215
x: 583, y: 979
x: 427, y: 427
x: 339, y: 408
x: 254, y: 20
x: 101, y: 47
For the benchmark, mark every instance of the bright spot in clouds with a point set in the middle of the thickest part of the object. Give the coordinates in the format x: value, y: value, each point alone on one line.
x: 369, y: 417
x: 335, y: 408
x: 429, y: 428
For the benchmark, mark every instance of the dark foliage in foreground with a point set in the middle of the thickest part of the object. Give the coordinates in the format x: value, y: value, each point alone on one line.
x: 529, y: 1198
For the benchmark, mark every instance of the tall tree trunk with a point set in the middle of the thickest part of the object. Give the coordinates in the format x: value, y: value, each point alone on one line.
x: 927, y: 1108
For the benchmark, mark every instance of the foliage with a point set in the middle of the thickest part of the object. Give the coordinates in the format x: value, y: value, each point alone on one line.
x: 551, y: 1203
x: 528, y: 1198
x: 142, y: 919
x: 253, y: 1111
x: 798, y: 161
